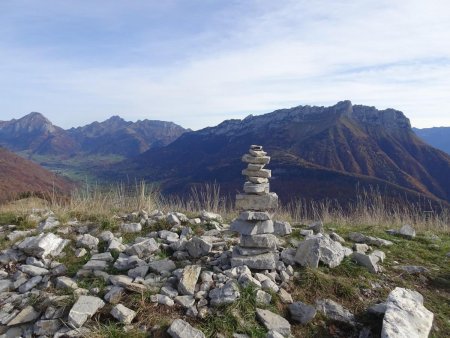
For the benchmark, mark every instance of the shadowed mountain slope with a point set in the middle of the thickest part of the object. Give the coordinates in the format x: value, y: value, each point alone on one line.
x: 19, y: 176
x: 316, y: 152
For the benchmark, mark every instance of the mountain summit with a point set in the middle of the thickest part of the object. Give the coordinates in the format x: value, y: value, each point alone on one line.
x: 316, y: 152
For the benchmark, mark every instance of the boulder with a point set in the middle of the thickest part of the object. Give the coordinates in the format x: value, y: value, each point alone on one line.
x: 406, y: 316
x: 43, y: 245
x: 324, y: 249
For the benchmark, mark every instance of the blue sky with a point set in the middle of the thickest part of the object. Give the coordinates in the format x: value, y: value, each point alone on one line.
x: 199, y: 62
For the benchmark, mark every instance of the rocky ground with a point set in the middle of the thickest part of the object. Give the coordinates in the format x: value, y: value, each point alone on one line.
x: 161, y: 274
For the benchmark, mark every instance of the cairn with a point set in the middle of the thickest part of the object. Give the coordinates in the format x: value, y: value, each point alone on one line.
x: 258, y: 244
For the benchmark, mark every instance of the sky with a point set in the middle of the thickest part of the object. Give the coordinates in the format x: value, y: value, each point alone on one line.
x: 199, y: 62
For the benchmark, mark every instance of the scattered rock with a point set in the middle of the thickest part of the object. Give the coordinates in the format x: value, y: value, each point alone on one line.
x: 360, y: 238
x: 43, y: 245
x: 368, y: 261
x: 28, y: 314
x: 199, y: 247
x: 407, y: 231
x: 226, y: 294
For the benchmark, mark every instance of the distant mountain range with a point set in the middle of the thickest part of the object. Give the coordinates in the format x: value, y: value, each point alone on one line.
x: 34, y: 134
x: 20, y: 177
x: 438, y: 137
x: 317, y: 152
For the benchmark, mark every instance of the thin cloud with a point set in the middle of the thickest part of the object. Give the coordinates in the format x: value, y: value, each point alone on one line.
x: 250, y: 57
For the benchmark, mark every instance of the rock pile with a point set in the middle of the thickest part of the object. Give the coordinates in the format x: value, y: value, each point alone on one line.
x: 258, y: 244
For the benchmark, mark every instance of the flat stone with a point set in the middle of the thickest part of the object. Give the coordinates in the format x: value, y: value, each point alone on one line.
x: 282, y: 228
x: 182, y: 329
x: 123, y: 314
x: 104, y: 256
x: 95, y: 265
x: 252, y: 227
x: 43, y: 245
x: 188, y: 280
x: 84, y: 308
x: 272, y: 321
x: 28, y: 314
x: 64, y: 282
x: 226, y: 294
x: 161, y: 266
x: 335, y: 311
x: 143, y: 249
x: 301, y: 312
x: 255, y: 159
x: 264, y: 173
x: 33, y: 270
x: 199, y: 247
x: 257, y: 202
x: 254, y: 216
x: 258, y: 180
x: 255, y: 188
x: 265, y: 261
x: 406, y: 316
x: 252, y: 251
x: 265, y: 241
x: 324, y: 249
x: 17, y: 234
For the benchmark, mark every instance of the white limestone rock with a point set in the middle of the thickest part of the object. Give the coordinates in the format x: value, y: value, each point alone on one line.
x: 84, y: 308
x: 406, y: 316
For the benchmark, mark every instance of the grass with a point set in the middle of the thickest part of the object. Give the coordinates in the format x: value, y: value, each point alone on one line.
x: 348, y: 284
x: 238, y: 317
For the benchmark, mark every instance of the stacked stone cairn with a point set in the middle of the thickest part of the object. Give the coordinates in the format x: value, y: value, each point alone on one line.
x: 258, y: 244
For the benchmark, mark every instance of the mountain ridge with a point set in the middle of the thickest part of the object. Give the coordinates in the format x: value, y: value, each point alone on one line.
x: 345, y: 138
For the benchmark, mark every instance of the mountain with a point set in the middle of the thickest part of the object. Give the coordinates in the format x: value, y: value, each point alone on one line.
x: 317, y: 152
x: 19, y: 176
x: 34, y: 134
x: 438, y: 137
x: 120, y: 137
